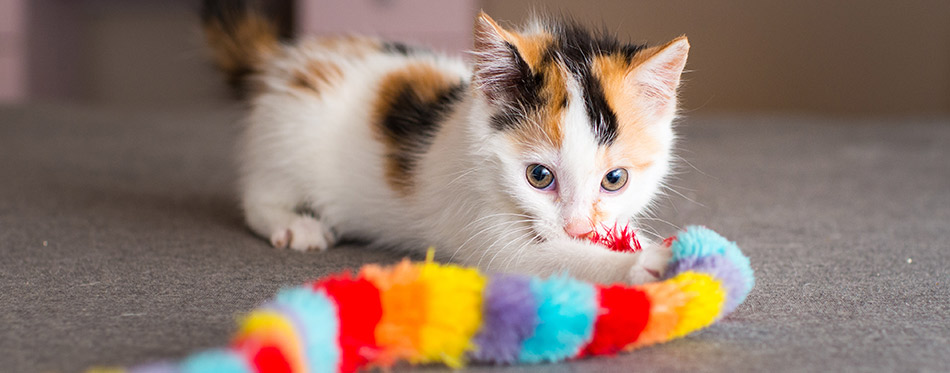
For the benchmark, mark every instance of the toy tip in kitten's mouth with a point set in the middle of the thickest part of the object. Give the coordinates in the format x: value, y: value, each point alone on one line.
x: 616, y: 238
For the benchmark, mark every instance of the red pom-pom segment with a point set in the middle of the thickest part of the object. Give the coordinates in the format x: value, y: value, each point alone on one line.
x: 359, y: 312
x: 624, y: 312
x: 264, y: 357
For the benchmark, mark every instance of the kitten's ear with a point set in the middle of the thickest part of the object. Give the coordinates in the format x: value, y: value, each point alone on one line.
x: 658, y: 75
x: 499, y: 67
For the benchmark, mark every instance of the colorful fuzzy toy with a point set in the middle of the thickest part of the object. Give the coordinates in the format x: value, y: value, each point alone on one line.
x: 427, y: 313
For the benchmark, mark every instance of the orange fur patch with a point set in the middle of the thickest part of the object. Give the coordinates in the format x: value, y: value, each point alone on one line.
x: 243, y: 46
x: 316, y: 75
x: 554, y: 93
x: 596, y: 215
x: 635, y: 147
x: 546, y: 123
x: 320, y: 72
x: 531, y: 47
x: 346, y: 46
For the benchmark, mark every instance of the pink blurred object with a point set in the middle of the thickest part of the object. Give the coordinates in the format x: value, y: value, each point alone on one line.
x: 12, y: 51
x: 438, y: 24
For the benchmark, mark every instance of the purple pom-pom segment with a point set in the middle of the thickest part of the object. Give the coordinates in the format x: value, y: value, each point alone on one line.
x: 157, y: 367
x: 722, y: 269
x: 509, y: 317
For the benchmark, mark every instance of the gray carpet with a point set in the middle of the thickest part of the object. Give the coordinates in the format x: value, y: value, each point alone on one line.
x: 121, y: 243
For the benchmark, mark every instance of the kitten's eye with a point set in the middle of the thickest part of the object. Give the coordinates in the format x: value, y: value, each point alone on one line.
x: 539, y: 176
x: 614, y: 180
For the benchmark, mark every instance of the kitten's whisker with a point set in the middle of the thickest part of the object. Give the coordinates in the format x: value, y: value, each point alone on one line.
x: 495, y: 216
x: 472, y: 237
x: 461, y: 175
x: 501, y: 237
x: 669, y: 185
x: 674, y: 226
x: 520, y: 238
x: 690, y: 164
x: 520, y: 251
x: 666, y: 187
x: 651, y: 232
x: 487, y: 250
x: 483, y: 230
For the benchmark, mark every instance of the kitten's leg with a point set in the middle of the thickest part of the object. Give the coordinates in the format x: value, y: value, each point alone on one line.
x: 272, y: 215
x: 594, y: 263
x: 651, y: 263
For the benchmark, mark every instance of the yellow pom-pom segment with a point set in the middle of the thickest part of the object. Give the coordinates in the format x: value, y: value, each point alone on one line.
x: 706, y: 299
x: 454, y: 303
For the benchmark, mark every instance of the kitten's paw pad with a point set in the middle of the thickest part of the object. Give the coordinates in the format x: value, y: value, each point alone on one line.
x: 281, y: 238
x: 304, y: 234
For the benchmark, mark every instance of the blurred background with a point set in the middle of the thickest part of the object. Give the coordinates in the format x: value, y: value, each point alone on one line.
x: 856, y: 58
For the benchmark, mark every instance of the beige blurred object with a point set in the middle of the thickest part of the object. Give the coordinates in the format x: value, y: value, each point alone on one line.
x: 105, y: 52
x: 870, y: 57
x: 812, y: 56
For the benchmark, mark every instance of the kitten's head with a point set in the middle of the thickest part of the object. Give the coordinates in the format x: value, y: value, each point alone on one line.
x: 580, y: 123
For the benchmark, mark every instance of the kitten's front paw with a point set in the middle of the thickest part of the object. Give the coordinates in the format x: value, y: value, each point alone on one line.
x: 651, y: 264
x: 305, y: 233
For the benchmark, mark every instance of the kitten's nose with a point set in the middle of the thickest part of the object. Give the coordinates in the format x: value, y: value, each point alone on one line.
x: 578, y: 228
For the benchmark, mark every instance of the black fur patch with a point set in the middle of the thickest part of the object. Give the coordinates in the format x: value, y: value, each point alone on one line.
x: 602, y: 117
x: 411, y: 123
x: 575, y: 47
x: 523, y: 89
x: 402, y: 49
x: 227, y: 12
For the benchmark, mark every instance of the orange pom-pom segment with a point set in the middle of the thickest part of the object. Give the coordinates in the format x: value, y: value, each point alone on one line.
x: 666, y: 302
x: 402, y: 297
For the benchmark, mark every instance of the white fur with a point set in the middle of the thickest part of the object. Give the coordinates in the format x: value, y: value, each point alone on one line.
x: 470, y: 199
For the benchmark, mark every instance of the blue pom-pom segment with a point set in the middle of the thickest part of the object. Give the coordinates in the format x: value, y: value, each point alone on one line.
x: 567, y: 309
x: 696, y: 247
x: 318, y: 325
x: 216, y: 361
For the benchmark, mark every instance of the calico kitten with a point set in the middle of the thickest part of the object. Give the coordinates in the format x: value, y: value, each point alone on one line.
x: 552, y: 133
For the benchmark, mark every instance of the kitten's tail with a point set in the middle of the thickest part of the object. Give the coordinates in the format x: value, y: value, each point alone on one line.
x: 240, y: 36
